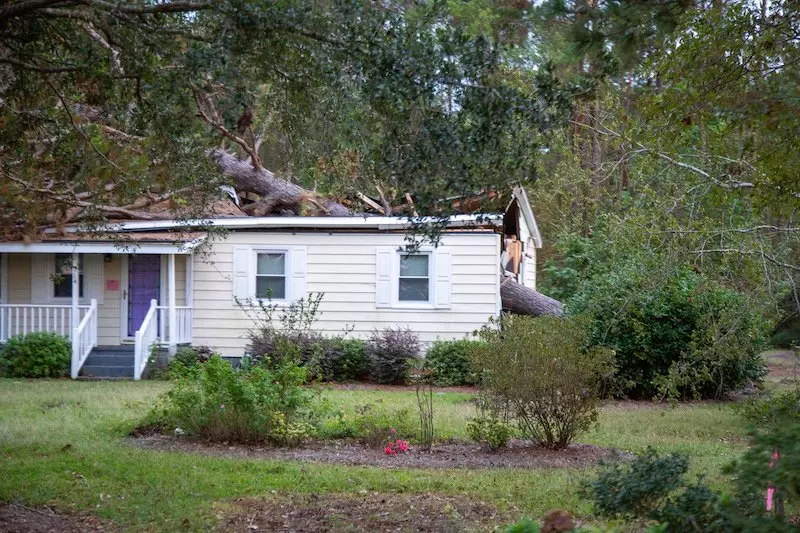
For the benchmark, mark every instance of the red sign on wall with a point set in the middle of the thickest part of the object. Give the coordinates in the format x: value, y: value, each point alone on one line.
x: 112, y: 284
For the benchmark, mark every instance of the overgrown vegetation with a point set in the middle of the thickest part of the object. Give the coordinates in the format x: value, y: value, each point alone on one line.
x: 261, y: 404
x: 36, y: 355
x: 538, y: 373
x: 676, y: 333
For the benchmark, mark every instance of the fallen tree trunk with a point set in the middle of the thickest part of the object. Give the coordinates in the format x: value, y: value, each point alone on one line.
x: 276, y: 194
x: 518, y: 298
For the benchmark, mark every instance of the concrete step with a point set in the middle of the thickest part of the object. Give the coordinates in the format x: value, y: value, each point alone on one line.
x: 106, y: 371
x: 123, y: 348
x: 109, y: 359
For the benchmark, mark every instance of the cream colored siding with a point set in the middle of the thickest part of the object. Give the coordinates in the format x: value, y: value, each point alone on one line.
x: 19, y: 279
x: 108, y: 313
x: 343, y: 267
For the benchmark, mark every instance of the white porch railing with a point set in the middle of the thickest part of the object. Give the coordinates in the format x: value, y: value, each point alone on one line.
x: 84, y: 339
x: 183, y: 325
x: 21, y: 319
x: 145, y: 337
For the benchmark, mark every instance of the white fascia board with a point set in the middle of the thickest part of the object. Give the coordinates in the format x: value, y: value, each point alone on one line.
x: 527, y: 214
x: 88, y: 247
x: 462, y: 221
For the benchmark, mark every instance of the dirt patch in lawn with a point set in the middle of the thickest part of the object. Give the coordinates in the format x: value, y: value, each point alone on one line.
x: 371, y: 511
x: 17, y: 518
x: 518, y: 454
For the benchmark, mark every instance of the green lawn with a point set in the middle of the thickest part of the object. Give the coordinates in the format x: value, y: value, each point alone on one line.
x: 62, y: 444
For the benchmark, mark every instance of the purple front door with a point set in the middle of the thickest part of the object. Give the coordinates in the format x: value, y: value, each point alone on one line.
x: 144, y: 275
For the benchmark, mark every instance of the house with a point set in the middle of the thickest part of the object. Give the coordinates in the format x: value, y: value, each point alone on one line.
x: 116, y: 294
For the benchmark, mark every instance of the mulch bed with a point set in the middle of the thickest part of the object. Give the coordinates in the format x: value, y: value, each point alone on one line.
x: 518, y: 454
x: 17, y: 518
x: 371, y: 511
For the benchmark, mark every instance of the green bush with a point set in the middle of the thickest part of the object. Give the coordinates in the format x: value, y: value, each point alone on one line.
x: 451, y: 362
x: 223, y: 404
x: 489, y: 431
x: 654, y: 487
x: 187, y: 361
x: 390, y: 353
x: 680, y: 336
x: 36, y: 355
x: 537, y: 373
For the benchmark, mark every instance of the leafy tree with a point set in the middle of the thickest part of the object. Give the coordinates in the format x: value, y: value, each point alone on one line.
x: 108, y: 108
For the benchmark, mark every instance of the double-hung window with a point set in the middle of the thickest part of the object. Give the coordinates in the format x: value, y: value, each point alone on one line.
x: 62, y: 281
x: 414, y: 279
x: 271, y: 275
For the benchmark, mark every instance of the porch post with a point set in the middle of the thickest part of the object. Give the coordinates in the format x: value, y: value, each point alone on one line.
x: 173, y: 322
x: 76, y: 285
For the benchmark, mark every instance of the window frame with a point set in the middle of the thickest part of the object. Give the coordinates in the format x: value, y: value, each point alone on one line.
x: 287, y: 269
x: 396, y: 277
x: 53, y: 270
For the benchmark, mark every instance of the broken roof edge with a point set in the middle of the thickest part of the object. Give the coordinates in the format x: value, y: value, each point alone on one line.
x: 297, y: 222
x: 527, y: 213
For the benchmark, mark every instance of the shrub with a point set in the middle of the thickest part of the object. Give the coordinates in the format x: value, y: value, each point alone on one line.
x: 654, y: 487
x: 451, y: 362
x: 36, y: 355
x: 390, y: 352
x: 489, y: 431
x: 337, y: 359
x: 680, y: 336
x: 536, y: 373
x: 781, y: 408
x: 187, y: 360
x: 223, y: 404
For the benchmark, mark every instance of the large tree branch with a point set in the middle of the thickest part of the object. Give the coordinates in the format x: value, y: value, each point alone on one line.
x: 275, y: 193
x: 217, y: 124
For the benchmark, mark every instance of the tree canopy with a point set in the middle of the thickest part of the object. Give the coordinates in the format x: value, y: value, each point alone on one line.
x: 108, y: 107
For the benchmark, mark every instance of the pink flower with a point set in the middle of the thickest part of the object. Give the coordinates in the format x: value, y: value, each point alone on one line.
x: 222, y: 406
x: 392, y: 431
x: 389, y: 450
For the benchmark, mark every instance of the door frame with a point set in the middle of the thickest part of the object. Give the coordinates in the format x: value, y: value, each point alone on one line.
x: 124, y: 295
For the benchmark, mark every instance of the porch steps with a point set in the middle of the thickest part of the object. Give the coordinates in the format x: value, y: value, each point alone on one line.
x: 114, y: 362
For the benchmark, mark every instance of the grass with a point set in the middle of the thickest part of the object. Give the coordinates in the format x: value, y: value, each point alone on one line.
x: 62, y: 444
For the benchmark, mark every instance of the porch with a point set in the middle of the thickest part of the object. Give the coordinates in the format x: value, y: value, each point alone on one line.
x: 101, y: 298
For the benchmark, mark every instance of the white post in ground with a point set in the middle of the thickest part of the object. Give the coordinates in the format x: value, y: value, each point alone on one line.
x: 173, y: 319
x: 76, y: 319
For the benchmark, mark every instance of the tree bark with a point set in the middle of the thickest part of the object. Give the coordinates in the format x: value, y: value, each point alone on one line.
x: 518, y: 298
x: 276, y: 194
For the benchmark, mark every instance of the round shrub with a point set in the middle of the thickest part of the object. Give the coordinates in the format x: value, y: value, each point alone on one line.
x: 390, y: 352
x: 537, y: 374
x: 451, y: 362
x: 36, y: 355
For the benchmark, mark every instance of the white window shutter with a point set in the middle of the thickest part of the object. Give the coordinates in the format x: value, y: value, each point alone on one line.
x: 93, y: 278
x: 242, y: 259
x: 42, y: 265
x: 298, y: 262
x: 384, y: 258
x: 443, y: 263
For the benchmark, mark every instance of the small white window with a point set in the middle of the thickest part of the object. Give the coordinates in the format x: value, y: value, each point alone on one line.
x: 414, y: 280
x: 62, y: 281
x: 271, y: 275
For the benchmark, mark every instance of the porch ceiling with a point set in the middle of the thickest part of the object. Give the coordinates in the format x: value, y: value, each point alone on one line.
x: 121, y: 243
